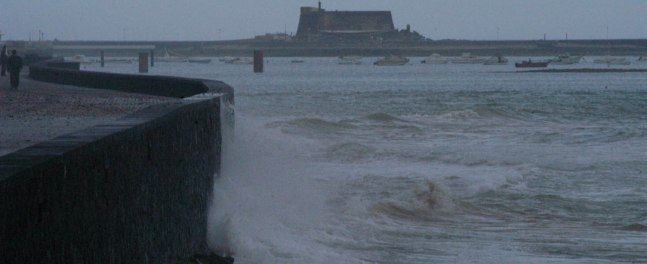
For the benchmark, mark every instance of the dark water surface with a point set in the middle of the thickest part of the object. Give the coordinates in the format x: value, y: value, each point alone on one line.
x: 430, y: 164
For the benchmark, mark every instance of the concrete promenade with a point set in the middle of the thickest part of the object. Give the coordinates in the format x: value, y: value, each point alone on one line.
x: 39, y: 111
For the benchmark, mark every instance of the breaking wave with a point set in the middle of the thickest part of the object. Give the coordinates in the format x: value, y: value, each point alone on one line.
x: 311, y: 125
x: 420, y: 203
x: 383, y: 117
x: 349, y: 152
x: 635, y: 227
x: 481, y: 112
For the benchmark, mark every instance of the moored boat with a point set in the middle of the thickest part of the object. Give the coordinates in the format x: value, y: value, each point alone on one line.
x: 497, y: 60
x: 200, y: 60
x: 566, y: 59
x: 297, y: 61
x: 435, y: 59
x: 118, y: 60
x: 392, y: 61
x: 167, y: 57
x: 467, y: 58
x: 531, y: 64
x: 609, y: 60
x: 239, y: 61
x: 82, y: 59
x: 350, y: 60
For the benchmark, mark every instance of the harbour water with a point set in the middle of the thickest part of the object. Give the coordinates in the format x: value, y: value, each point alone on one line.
x: 429, y: 163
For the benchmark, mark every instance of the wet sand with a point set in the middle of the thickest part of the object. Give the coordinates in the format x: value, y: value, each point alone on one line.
x: 39, y: 111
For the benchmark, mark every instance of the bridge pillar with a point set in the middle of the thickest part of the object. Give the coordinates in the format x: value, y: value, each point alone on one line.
x: 258, y: 61
x: 143, y: 62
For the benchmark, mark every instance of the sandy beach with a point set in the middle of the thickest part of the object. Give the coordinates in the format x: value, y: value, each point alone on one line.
x: 39, y: 111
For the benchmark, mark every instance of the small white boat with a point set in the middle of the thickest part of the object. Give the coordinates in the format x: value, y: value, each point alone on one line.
x: 620, y: 61
x: 243, y: 60
x: 566, y: 59
x: 168, y: 58
x: 200, y: 60
x: 118, y: 60
x: 392, y: 61
x: 531, y: 64
x: 350, y: 60
x: 171, y: 59
x: 613, y: 61
x: 497, y: 60
x: 467, y: 58
x: 435, y: 59
x: 80, y: 59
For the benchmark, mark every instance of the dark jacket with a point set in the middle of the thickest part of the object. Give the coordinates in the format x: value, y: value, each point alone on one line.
x: 14, y: 63
x: 3, y: 55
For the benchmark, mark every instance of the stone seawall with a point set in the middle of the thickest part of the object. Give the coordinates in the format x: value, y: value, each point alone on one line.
x: 64, y: 73
x: 132, y: 191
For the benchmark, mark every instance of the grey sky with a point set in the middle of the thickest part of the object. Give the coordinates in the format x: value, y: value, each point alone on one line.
x: 233, y: 19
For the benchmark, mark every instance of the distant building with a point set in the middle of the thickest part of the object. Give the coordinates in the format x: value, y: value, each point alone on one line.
x: 353, y: 27
x: 316, y: 23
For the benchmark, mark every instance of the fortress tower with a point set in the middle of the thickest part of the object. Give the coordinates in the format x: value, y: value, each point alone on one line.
x: 316, y: 23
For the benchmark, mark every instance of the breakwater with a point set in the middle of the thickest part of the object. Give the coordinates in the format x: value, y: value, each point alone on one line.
x: 135, y: 190
x: 280, y: 48
x: 587, y: 70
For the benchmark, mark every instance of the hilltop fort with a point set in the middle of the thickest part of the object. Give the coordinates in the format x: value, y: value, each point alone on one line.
x: 318, y: 25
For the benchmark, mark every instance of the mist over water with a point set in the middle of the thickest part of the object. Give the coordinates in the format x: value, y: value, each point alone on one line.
x: 420, y: 164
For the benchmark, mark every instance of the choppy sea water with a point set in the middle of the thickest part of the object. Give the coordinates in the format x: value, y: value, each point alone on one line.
x: 429, y: 164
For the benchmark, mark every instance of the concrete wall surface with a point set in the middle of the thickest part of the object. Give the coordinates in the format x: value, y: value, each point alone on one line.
x: 153, y: 85
x: 132, y: 191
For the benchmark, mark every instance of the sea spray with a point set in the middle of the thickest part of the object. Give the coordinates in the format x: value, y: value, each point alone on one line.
x: 265, y: 197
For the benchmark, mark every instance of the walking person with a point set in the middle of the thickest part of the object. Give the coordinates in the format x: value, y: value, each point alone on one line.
x: 3, y: 61
x: 14, y: 63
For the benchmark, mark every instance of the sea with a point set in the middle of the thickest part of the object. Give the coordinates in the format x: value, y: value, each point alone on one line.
x: 425, y: 163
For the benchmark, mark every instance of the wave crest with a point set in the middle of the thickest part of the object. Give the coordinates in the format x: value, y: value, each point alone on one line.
x: 419, y: 205
x: 635, y: 227
x: 349, y: 152
x: 481, y: 112
x: 310, y: 125
x: 383, y: 117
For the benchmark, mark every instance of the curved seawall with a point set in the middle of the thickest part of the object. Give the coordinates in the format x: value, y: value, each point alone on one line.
x: 135, y: 190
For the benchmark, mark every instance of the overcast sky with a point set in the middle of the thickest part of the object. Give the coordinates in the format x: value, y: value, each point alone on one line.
x: 234, y: 19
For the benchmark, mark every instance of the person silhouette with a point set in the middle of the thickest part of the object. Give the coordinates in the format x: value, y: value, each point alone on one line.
x: 14, y: 64
x: 3, y: 61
